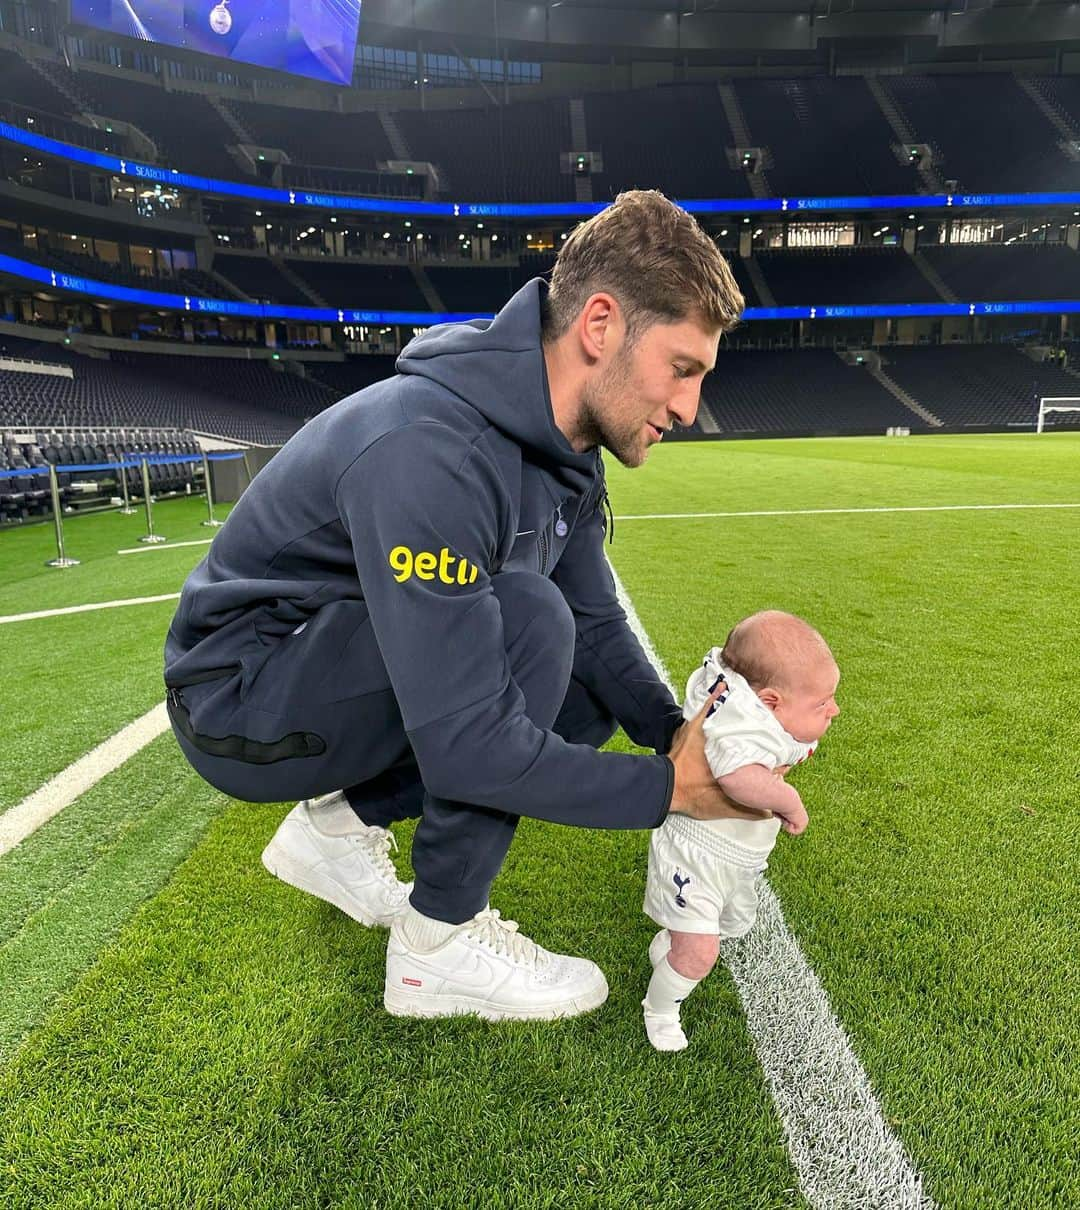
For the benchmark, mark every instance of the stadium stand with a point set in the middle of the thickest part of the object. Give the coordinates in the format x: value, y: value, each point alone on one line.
x: 672, y: 138
x: 466, y: 289
x: 23, y: 497
x: 1023, y: 270
x: 186, y: 281
x: 136, y: 390
x: 1017, y: 149
x: 1063, y: 93
x: 530, y: 265
x: 742, y: 279
x: 24, y: 85
x: 840, y: 276
x: 187, y: 130
x: 361, y: 284
x: 825, y: 136
x: 67, y: 130
x: 509, y: 153
x: 977, y: 385
x: 253, y: 384
x: 260, y: 279
x: 798, y: 391
x: 347, y: 377
x: 321, y: 137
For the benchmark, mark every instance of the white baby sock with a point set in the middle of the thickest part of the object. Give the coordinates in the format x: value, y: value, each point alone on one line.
x: 667, y: 990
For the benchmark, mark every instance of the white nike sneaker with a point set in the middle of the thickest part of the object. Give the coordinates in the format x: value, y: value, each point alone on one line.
x: 323, y: 848
x: 484, y: 967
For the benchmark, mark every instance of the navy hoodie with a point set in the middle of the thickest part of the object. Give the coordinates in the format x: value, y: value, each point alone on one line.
x: 410, y: 495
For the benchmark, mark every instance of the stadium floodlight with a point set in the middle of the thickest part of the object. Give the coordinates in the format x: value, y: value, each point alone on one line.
x: 1056, y: 403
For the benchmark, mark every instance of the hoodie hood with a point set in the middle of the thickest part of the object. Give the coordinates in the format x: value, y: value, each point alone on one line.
x: 497, y: 366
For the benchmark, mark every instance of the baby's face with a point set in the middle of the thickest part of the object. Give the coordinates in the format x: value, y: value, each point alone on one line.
x: 807, y: 708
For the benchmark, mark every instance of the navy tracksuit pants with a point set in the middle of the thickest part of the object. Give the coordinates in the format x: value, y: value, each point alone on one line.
x: 328, y: 683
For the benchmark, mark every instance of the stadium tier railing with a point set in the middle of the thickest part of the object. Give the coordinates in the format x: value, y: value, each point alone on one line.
x: 338, y: 202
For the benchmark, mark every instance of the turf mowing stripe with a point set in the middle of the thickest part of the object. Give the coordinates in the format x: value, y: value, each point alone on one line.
x: 54, y: 613
x: 846, y: 1156
x: 27, y: 816
x: 66, y: 934
x: 818, y: 512
x: 138, y: 550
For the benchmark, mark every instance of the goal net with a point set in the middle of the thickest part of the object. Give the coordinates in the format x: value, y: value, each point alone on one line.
x: 1051, y: 405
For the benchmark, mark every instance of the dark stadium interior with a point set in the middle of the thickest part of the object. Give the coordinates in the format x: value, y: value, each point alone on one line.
x: 881, y: 107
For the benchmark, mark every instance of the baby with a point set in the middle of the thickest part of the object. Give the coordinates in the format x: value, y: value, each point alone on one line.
x: 780, y: 698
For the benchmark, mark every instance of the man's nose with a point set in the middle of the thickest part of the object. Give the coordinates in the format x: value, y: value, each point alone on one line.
x: 684, y: 407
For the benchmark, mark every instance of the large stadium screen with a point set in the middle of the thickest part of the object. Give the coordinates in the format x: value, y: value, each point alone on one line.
x: 314, y: 38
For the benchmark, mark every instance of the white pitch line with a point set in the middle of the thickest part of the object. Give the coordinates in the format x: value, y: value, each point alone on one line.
x: 845, y: 1155
x: 815, y: 512
x: 55, y: 613
x: 138, y: 550
x: 26, y: 817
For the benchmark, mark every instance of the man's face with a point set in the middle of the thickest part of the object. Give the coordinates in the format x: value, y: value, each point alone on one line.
x: 643, y: 390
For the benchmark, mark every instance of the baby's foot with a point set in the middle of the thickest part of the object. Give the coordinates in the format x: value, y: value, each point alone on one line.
x: 665, y: 1032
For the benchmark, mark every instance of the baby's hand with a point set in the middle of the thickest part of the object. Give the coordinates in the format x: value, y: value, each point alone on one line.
x: 793, y: 819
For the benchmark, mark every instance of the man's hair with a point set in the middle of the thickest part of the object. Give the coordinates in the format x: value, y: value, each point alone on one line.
x: 653, y: 258
x: 767, y: 647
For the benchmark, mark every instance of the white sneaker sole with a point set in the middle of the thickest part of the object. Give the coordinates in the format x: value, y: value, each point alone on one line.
x: 279, y: 862
x: 400, y: 1003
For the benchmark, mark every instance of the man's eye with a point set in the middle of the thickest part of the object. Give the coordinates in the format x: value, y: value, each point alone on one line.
x: 681, y: 372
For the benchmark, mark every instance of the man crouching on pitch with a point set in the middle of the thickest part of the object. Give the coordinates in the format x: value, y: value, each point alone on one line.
x: 409, y: 613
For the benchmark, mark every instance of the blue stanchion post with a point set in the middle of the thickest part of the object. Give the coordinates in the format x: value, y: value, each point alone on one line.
x: 149, y: 536
x: 61, y: 559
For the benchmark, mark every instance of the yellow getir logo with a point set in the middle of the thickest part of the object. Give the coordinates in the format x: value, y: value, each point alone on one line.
x: 444, y: 566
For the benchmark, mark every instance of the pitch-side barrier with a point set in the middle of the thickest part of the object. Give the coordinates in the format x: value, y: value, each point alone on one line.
x: 142, y: 464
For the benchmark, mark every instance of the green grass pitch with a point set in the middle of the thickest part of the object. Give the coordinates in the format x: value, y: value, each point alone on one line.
x: 178, y: 1029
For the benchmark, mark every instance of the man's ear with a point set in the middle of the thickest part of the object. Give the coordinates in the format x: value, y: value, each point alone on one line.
x: 770, y: 696
x: 598, y: 324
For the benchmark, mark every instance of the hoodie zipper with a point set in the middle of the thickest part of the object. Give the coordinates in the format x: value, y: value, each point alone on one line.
x: 604, y: 503
x: 545, y: 550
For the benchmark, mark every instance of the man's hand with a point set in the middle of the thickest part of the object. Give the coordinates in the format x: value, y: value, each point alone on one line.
x: 696, y: 793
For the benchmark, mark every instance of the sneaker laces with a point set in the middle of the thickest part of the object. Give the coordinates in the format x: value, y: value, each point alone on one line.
x: 503, y: 937
x: 376, y: 844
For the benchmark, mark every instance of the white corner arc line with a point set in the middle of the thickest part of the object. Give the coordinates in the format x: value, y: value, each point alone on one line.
x: 139, y: 550
x: 845, y: 1155
x: 55, y: 613
x: 825, y: 512
x: 27, y: 816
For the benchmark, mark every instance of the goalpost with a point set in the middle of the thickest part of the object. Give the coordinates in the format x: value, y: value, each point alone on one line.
x: 1056, y: 403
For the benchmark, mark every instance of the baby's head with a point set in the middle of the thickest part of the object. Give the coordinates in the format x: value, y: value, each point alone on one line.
x: 791, y: 669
